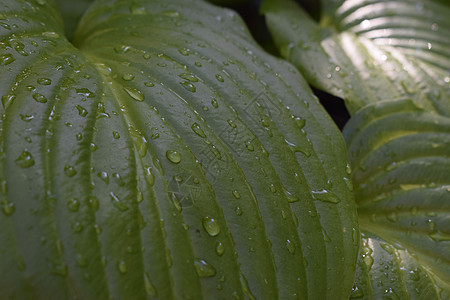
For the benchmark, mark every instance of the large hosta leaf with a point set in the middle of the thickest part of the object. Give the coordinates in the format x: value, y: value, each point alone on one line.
x: 389, y: 60
x: 164, y: 154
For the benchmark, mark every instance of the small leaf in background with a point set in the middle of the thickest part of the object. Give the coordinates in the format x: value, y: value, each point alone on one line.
x: 389, y: 61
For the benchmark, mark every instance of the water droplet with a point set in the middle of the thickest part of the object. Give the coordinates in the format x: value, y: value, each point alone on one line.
x: 50, y: 34
x: 149, y: 84
x: 184, y: 51
x: 6, y: 59
x: 188, y: 86
x: 44, y: 81
x: 39, y: 98
x: 5, y: 25
x: 115, y: 200
x: 439, y: 236
x: 138, y: 10
x: 149, y: 287
x: 236, y: 194
x: 220, y: 248
x: 122, y: 267
x: 189, y: 77
x: 128, y: 77
x: 348, y: 169
x: 85, y: 92
x: 238, y: 211
x: 211, y: 226
x: 70, y: 171
x: 173, y: 156
x: 245, y: 287
x: 25, y: 160
x: 118, y: 179
x: 176, y: 202
x: 198, y: 130
x: 149, y: 176
x: 219, y: 78
x: 392, y: 217
x: 231, y: 123
x: 93, y: 202
x: 134, y: 93
x: 8, y: 208
x: 77, y: 227
x: 122, y: 49
x: 249, y: 146
x: 81, y: 110
x: 203, y: 268
x: 81, y: 261
x: 116, y: 135
x: 290, y: 246
x: 73, y: 205
x: 140, y: 142
x: 299, y: 122
x: 7, y: 100
x: 291, y: 197
x: 349, y: 184
x: 356, y: 293
x: 325, y: 196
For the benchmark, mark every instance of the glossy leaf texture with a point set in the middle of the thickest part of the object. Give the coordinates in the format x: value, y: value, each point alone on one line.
x: 388, y: 272
x: 164, y: 154
x: 400, y: 154
x: 367, y: 51
x: 372, y: 54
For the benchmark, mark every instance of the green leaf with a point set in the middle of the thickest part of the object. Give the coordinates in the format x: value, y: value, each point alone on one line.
x: 389, y: 61
x: 386, y: 271
x: 164, y: 154
x: 400, y: 156
x: 367, y: 51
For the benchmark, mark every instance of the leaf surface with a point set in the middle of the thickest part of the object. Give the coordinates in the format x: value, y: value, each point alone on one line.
x: 164, y: 154
x: 389, y: 61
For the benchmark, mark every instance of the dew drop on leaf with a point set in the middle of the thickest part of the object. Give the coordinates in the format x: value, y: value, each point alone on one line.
x: 290, y: 246
x: 122, y: 267
x: 211, y: 226
x: 25, y: 160
x: 134, y: 93
x: 291, y: 197
x: 439, y: 236
x: 149, y: 287
x: 73, y: 205
x: 7, y: 100
x: 173, y: 156
x: 203, y: 268
x: 236, y: 194
x: 93, y: 202
x: 128, y: 77
x: 70, y: 171
x: 81, y: 111
x: 325, y: 196
x: 8, y: 208
x: 77, y: 227
x: 44, y: 81
x: 6, y: 59
x: 188, y: 86
x: 220, y: 249
x: 219, y: 78
x: 198, y: 130
x: 115, y: 200
x: 39, y: 98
